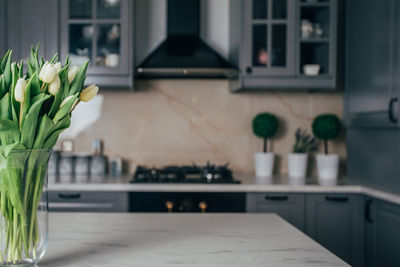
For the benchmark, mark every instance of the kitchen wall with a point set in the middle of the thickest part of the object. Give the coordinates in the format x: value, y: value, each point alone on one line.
x: 185, y: 121
x: 181, y: 121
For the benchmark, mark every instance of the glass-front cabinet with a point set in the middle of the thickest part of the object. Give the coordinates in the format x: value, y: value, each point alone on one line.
x: 269, y: 30
x: 285, y: 44
x: 99, y: 31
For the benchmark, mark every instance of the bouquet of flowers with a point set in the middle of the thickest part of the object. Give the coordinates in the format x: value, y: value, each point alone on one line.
x: 35, y: 107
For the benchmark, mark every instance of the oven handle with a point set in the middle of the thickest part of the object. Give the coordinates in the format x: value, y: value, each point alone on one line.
x: 276, y: 198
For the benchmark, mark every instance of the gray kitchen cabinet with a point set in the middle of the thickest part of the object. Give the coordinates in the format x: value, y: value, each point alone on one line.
x: 336, y: 221
x: 27, y: 24
x: 271, y: 50
x: 291, y: 207
x: 382, y: 233
x: 85, y: 201
x: 372, y: 63
x: 102, y: 32
x: 3, y: 39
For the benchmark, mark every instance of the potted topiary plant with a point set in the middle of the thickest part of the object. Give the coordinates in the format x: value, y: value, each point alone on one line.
x: 327, y: 127
x: 297, y: 160
x: 265, y: 126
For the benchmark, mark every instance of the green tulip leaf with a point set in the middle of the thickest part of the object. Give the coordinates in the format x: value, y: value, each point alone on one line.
x: 45, y: 127
x: 59, y: 128
x: 30, y: 123
x: 77, y: 84
x: 65, y: 109
x: 5, y: 107
x: 9, y: 132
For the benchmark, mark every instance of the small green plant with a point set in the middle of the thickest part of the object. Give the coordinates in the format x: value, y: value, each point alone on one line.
x: 265, y: 125
x: 304, y: 142
x: 326, y: 127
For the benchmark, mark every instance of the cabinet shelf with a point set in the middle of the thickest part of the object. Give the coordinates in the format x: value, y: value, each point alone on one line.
x: 317, y: 4
x: 315, y: 40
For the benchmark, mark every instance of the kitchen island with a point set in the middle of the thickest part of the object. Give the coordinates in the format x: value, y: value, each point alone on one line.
x: 93, y: 239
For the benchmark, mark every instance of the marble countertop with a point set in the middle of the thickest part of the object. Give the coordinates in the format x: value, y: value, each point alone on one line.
x: 250, y: 184
x: 92, y: 239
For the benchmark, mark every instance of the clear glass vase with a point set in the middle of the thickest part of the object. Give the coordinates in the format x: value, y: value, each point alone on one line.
x: 23, y: 207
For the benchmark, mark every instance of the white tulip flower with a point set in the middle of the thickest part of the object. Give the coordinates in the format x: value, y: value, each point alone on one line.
x: 88, y: 93
x: 72, y: 73
x: 55, y: 85
x: 48, y: 72
x: 19, y: 91
x: 58, y: 66
x: 66, y: 100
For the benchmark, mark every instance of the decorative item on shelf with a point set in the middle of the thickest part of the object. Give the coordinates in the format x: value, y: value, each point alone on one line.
x: 66, y: 167
x: 67, y: 146
x: 318, y: 32
x: 36, y: 107
x: 97, y: 147
x: 115, y: 166
x: 297, y: 160
x: 82, y: 167
x: 311, y: 69
x: 327, y: 127
x: 98, y: 167
x: 307, y: 29
x: 265, y: 126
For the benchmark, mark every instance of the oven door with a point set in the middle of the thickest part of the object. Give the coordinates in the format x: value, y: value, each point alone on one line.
x: 186, y: 202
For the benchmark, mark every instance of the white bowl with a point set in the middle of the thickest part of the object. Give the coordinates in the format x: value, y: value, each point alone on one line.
x: 311, y: 69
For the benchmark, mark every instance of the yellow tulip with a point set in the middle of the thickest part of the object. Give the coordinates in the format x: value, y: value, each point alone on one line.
x: 88, y: 93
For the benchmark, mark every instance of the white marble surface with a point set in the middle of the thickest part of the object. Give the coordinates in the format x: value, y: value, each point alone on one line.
x: 82, y: 239
x: 249, y: 184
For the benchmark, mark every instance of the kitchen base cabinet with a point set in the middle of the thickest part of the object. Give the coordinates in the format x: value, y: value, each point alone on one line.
x: 337, y: 223
x: 291, y: 207
x: 382, y: 234
x: 88, y: 201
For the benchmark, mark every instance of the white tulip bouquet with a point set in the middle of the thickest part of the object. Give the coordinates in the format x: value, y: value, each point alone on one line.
x: 35, y: 107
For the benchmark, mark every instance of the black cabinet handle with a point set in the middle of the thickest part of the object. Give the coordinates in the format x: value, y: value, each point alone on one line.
x: 392, y: 118
x: 337, y: 198
x: 277, y: 198
x: 69, y: 196
x: 368, y: 217
x: 249, y: 70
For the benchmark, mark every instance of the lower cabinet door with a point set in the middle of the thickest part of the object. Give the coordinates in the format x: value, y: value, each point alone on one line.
x: 383, y: 234
x: 289, y: 206
x: 336, y: 221
x: 82, y: 201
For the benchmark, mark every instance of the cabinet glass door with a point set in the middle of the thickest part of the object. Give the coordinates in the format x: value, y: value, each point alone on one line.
x: 94, y: 31
x: 271, y: 47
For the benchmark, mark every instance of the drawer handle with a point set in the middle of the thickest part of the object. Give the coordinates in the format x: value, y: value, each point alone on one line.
x: 69, y: 196
x: 277, y: 198
x: 336, y: 198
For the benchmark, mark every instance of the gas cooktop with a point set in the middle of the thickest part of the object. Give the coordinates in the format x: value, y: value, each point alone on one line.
x: 208, y: 173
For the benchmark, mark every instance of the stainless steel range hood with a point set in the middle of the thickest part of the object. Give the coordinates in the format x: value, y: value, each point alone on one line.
x: 184, y: 54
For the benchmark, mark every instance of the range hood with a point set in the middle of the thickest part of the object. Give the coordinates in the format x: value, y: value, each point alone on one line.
x: 184, y: 54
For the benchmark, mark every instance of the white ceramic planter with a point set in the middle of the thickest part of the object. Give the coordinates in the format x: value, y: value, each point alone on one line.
x: 297, y: 165
x: 264, y: 164
x: 328, y: 169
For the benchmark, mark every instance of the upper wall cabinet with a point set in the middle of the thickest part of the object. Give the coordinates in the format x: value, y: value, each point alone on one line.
x: 3, y: 44
x: 100, y: 31
x: 287, y: 44
x: 26, y: 23
x: 372, y: 83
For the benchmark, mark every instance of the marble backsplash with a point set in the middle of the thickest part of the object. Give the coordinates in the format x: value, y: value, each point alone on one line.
x: 185, y: 121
